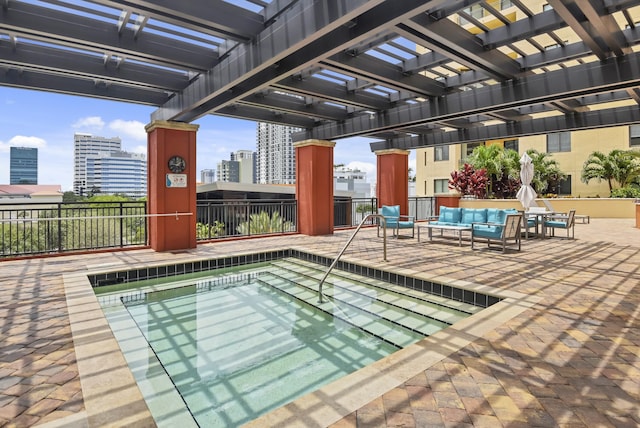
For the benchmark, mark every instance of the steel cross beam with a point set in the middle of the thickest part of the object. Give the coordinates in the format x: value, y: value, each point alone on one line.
x: 312, y: 30
x: 581, y: 80
x: 572, y: 122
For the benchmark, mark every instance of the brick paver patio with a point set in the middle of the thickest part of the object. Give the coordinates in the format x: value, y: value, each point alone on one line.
x: 573, y: 359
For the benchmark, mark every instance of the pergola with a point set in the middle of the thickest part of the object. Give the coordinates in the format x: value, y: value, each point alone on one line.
x: 409, y: 74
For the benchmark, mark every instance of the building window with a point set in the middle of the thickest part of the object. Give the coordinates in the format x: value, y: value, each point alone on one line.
x: 441, y: 153
x: 470, y: 147
x: 511, y: 145
x: 441, y: 186
x: 559, y: 142
x: 546, y: 7
x: 564, y: 186
x: 634, y: 136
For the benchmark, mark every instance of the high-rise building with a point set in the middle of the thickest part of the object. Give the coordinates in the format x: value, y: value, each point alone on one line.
x: 85, y: 145
x: 207, y: 176
x: 276, y: 158
x: 240, y: 169
x: 228, y: 170
x: 23, y: 165
x: 246, y: 165
x: 117, y: 173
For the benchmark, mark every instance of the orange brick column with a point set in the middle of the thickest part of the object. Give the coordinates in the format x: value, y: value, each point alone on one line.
x: 171, y: 192
x: 392, y: 174
x: 314, y: 186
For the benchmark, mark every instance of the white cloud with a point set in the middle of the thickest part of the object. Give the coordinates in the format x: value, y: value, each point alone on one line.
x: 131, y: 129
x: 139, y: 149
x: 367, y: 167
x: 22, y: 141
x: 89, y: 123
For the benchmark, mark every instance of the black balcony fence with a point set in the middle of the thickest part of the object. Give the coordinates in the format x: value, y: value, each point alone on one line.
x: 349, y: 212
x: 224, y: 218
x: 44, y: 228
x: 47, y: 228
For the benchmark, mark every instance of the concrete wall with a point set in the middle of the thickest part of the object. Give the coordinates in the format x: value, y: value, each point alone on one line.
x: 593, y: 207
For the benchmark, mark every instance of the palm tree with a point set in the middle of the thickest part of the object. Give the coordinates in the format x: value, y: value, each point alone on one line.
x: 502, y: 166
x: 621, y: 166
x: 487, y: 158
x: 546, y: 170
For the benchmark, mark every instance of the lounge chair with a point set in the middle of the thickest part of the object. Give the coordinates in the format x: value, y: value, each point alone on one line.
x: 393, y: 220
x: 505, y: 234
x: 583, y: 218
x: 566, y: 222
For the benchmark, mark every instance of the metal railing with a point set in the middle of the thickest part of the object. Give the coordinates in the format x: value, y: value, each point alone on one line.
x: 44, y: 228
x: 353, y: 235
x: 223, y: 218
x: 349, y: 212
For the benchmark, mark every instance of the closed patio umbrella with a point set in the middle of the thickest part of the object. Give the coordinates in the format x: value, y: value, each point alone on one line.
x: 526, y: 195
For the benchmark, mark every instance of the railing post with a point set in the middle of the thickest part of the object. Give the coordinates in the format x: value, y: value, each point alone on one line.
x: 248, y: 217
x: 121, y: 224
x: 59, y: 227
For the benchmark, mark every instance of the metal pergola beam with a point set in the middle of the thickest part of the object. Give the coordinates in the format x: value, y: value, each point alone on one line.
x: 572, y: 122
x: 582, y: 80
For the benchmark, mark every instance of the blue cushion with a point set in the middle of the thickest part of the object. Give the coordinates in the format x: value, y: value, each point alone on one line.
x: 486, y: 231
x: 405, y: 224
x: 390, y: 211
x: 473, y: 215
x: 451, y: 215
x: 561, y: 224
x: 492, y: 214
x: 501, y: 216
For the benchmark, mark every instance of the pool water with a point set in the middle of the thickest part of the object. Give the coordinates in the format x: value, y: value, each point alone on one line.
x: 239, y: 344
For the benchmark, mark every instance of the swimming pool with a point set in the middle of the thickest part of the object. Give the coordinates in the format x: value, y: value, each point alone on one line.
x: 359, y: 324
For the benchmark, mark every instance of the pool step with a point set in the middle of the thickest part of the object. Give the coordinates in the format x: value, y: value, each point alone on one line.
x: 372, y: 304
x: 380, y: 327
x: 391, y: 297
x: 419, y: 295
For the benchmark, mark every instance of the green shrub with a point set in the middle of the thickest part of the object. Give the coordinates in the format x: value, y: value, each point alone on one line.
x: 626, y: 192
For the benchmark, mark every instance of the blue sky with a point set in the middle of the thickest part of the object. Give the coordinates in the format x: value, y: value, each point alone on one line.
x: 48, y: 121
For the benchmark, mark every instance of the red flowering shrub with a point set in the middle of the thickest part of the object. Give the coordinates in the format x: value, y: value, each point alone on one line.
x: 470, y: 181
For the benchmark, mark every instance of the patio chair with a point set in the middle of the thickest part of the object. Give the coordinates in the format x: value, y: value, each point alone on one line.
x: 504, y: 235
x: 566, y: 222
x: 529, y: 222
x: 394, y: 220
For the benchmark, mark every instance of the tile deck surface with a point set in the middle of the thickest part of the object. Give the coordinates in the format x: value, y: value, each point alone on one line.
x: 571, y: 359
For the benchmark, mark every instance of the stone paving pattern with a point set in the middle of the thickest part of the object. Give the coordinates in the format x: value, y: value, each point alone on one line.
x: 573, y: 360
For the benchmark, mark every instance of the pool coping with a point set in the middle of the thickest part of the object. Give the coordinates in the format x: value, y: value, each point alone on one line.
x: 112, y: 396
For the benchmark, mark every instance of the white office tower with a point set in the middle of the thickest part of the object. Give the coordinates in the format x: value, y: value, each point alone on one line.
x: 85, y: 145
x: 276, y: 157
x: 207, y: 176
x: 351, y: 180
x: 120, y: 173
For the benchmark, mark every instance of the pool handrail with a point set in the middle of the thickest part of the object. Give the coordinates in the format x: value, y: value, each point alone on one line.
x: 353, y: 235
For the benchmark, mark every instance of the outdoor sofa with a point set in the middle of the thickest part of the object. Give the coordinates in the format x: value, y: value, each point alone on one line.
x: 462, y: 219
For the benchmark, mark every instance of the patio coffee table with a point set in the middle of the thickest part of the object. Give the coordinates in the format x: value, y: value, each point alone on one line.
x: 442, y: 228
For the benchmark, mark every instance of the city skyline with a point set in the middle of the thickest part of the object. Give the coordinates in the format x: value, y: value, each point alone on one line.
x: 48, y: 121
